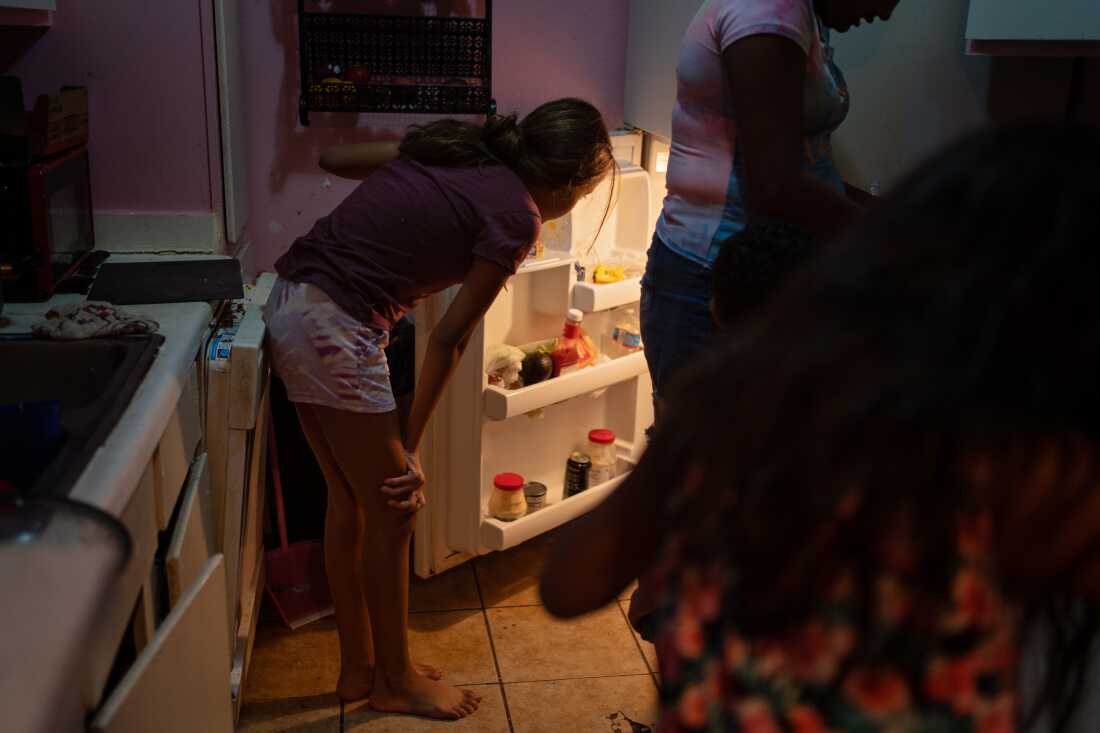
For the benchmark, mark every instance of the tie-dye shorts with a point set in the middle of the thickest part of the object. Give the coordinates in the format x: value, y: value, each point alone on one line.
x: 323, y: 355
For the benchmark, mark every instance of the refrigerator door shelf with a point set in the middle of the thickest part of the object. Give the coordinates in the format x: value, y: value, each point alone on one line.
x: 498, y: 535
x: 592, y: 297
x: 550, y: 259
x: 501, y: 404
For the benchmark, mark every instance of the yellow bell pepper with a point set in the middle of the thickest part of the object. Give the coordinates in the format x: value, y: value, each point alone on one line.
x: 606, y: 274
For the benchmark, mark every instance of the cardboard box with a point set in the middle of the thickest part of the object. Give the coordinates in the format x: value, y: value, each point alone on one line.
x: 59, y: 121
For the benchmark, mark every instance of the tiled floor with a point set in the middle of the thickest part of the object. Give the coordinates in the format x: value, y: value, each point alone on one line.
x: 482, y: 623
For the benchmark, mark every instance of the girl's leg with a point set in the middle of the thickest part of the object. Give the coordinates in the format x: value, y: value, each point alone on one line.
x: 344, y: 531
x: 367, y: 450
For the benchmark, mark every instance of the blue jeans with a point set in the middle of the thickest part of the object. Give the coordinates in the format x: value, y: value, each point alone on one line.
x: 676, y: 326
x: 675, y: 313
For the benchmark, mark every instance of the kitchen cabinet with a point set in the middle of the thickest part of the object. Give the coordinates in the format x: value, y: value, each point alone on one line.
x: 28, y: 13
x: 913, y: 87
x: 29, y: 4
x: 1033, y: 20
x: 157, y: 652
x: 1034, y: 28
x: 18, y: 17
x: 178, y: 683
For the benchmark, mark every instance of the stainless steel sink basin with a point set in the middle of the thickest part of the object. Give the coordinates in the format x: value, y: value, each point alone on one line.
x: 93, y: 381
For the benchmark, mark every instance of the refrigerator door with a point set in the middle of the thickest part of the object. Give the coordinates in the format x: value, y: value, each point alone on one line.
x: 480, y: 430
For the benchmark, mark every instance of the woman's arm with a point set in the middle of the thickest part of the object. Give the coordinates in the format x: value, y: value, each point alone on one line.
x: 445, y: 347
x: 599, y: 554
x: 357, y: 160
x: 766, y: 75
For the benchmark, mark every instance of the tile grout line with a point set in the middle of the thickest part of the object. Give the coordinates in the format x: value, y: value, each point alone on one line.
x: 638, y: 644
x: 581, y: 679
x: 444, y: 610
x: 492, y: 646
x: 518, y: 605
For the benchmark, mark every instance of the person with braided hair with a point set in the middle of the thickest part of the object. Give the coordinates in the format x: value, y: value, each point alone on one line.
x: 453, y: 203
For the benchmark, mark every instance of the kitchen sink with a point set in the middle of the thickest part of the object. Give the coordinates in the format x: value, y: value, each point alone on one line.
x: 90, y: 383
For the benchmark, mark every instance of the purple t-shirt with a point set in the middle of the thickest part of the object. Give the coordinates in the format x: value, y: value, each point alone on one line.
x: 411, y: 230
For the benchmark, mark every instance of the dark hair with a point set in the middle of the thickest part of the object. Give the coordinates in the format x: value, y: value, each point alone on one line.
x: 752, y: 265
x: 563, y: 143
x: 957, y: 327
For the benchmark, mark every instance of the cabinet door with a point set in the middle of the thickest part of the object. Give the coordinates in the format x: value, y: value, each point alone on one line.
x: 190, y: 546
x: 652, y: 52
x: 29, y: 4
x: 1034, y: 20
x: 252, y: 529
x: 139, y: 517
x: 176, y: 449
x: 180, y: 682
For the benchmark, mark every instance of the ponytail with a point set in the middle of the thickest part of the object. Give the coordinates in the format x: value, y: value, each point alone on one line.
x: 458, y: 144
x: 562, y: 143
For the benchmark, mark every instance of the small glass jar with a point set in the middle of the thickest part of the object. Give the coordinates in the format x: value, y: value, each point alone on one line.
x: 601, y: 448
x: 535, y: 494
x: 508, y: 502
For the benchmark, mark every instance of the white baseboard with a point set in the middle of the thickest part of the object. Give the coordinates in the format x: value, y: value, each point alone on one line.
x: 162, y: 232
x: 246, y: 255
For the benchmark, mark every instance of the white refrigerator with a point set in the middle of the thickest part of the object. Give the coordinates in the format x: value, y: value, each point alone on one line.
x: 480, y: 430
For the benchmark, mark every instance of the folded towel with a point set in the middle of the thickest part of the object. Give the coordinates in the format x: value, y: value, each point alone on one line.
x: 74, y: 321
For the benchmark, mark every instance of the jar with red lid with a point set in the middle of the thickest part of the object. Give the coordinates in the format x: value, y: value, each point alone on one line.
x: 508, y: 502
x: 601, y: 449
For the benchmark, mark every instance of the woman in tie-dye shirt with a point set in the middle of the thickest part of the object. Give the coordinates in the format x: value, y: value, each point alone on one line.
x: 758, y: 97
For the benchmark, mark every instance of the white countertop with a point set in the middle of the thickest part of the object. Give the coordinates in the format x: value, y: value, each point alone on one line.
x: 109, y: 479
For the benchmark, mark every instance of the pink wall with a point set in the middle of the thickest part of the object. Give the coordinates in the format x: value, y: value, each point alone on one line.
x: 541, y: 50
x: 142, y: 61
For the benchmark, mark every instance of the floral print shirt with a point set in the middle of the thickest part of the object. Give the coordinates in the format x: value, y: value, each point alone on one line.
x: 955, y: 674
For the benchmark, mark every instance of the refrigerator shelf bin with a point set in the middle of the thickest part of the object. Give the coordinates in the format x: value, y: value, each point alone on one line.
x: 498, y: 535
x: 550, y: 260
x: 501, y: 404
x: 593, y: 297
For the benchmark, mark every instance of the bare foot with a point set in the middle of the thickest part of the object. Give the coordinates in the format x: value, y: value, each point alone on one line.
x: 356, y: 684
x: 426, y: 697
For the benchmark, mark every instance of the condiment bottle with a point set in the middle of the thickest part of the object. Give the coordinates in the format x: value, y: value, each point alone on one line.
x: 535, y: 493
x: 576, y: 474
x: 507, y: 502
x: 573, y: 349
x: 601, y: 449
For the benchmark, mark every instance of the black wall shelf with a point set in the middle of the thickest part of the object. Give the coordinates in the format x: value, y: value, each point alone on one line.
x: 353, y: 62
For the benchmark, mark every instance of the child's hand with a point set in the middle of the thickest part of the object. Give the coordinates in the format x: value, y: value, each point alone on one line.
x: 406, y: 491
x: 411, y: 504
